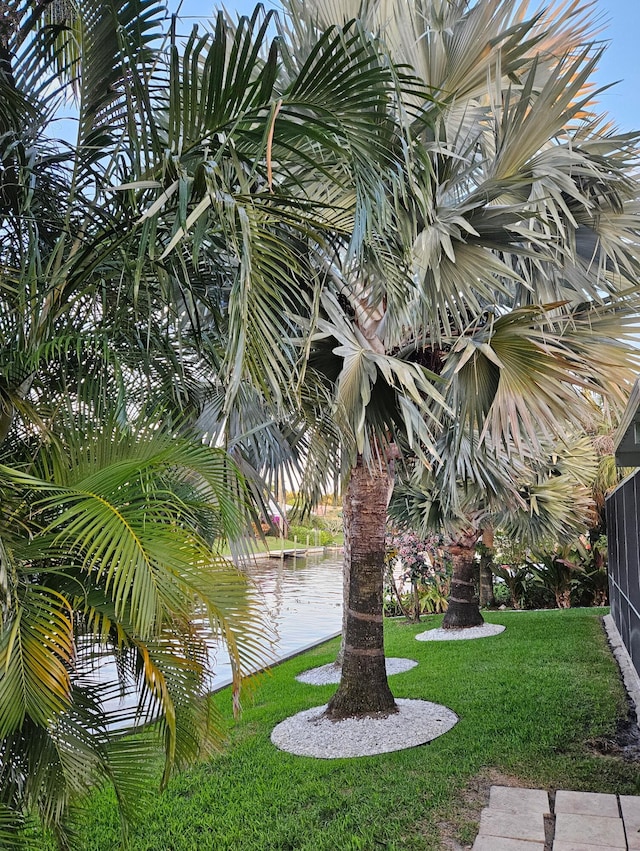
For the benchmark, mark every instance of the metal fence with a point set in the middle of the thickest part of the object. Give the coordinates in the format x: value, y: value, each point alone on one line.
x: 623, y: 533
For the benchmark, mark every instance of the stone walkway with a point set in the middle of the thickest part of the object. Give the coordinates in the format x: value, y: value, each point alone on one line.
x: 527, y: 820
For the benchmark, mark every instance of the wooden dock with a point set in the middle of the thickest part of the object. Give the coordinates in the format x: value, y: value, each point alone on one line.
x: 287, y: 553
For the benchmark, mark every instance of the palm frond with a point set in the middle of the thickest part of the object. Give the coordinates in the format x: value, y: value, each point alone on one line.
x: 36, y: 652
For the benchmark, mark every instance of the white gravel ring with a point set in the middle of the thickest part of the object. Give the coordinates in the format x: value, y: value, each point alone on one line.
x: 458, y: 634
x: 310, y: 733
x: 326, y: 674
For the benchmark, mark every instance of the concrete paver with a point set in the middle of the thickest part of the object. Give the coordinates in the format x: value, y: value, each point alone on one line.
x: 582, y: 821
x: 587, y: 803
x: 512, y: 825
x: 511, y: 799
x: 501, y: 843
x: 590, y: 830
x: 630, y: 806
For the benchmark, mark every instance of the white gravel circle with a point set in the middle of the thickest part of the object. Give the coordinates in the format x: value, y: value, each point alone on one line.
x: 309, y: 733
x: 326, y: 674
x: 458, y: 634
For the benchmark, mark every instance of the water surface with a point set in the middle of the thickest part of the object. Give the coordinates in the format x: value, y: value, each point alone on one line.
x: 302, y: 602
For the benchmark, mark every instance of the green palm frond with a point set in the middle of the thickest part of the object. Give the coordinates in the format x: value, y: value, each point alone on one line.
x: 556, y: 494
x: 123, y: 522
x: 559, y: 509
x: 218, y: 79
x: 11, y: 826
x: 96, y: 49
x: 539, y: 119
x: 37, y: 649
x: 546, y: 498
x: 525, y: 371
x: 117, y: 550
x: 362, y: 367
x: 53, y: 768
x: 326, y: 126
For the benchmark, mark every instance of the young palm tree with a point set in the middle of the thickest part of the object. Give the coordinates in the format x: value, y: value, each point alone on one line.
x: 114, y: 592
x: 520, y: 204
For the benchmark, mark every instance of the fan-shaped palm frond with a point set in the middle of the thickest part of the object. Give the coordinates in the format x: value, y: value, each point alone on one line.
x: 523, y: 372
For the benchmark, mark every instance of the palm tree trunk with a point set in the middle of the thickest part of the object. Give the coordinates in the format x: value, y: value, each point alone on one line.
x: 416, y: 602
x: 463, y: 611
x: 363, y: 688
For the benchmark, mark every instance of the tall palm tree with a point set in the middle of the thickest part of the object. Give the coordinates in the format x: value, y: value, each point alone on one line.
x: 180, y: 232
x: 339, y: 210
x: 520, y: 204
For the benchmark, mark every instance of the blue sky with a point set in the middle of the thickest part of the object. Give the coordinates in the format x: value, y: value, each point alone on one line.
x: 621, y: 61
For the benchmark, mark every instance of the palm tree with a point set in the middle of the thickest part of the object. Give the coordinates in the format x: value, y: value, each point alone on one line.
x: 520, y: 204
x: 111, y: 557
x: 543, y: 500
x: 178, y: 234
x: 331, y: 207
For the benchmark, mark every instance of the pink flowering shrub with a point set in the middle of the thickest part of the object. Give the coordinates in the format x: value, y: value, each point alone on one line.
x: 418, y: 573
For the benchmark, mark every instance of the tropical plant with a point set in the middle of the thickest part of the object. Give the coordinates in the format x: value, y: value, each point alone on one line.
x: 311, y: 536
x: 574, y: 573
x: 594, y: 561
x: 516, y: 578
x: 557, y: 572
x: 520, y: 204
x: 406, y: 553
x: 164, y: 256
x: 434, y: 595
x: 114, y: 594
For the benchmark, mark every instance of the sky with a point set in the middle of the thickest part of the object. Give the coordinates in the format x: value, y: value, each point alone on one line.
x: 620, y: 22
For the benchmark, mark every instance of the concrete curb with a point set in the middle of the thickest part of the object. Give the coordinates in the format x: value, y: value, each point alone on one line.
x: 629, y: 674
x: 279, y: 660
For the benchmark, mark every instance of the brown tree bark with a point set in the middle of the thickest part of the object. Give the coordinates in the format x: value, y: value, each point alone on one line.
x: 363, y: 688
x: 463, y: 611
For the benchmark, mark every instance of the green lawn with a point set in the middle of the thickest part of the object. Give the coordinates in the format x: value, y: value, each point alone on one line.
x: 529, y: 701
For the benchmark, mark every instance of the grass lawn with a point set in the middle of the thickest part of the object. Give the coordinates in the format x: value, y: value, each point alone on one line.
x: 529, y: 701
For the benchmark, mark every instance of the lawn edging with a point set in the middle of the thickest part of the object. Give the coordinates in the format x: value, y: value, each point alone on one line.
x: 627, y: 669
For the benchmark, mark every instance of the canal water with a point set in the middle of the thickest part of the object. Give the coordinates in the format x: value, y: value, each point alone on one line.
x: 301, y: 600
x: 302, y: 603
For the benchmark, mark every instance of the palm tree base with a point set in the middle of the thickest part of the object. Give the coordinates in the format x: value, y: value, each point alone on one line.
x: 471, y: 632
x: 364, y: 692
x: 311, y: 733
x: 462, y: 616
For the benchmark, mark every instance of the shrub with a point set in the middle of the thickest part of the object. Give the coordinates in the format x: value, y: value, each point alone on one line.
x: 424, y: 567
x: 316, y: 537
